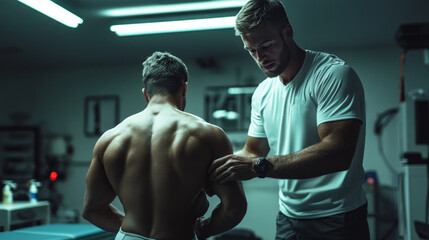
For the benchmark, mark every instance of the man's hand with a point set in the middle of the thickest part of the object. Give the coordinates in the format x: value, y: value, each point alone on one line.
x: 232, y: 167
x: 201, y: 224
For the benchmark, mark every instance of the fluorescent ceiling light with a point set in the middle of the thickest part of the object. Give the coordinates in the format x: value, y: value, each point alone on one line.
x: 54, y: 11
x: 241, y: 90
x: 173, y: 26
x: 172, y: 8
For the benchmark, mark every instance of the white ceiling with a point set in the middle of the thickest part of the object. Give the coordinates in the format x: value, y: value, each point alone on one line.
x: 31, y: 40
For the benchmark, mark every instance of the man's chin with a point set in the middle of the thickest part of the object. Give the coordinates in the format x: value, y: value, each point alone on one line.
x: 270, y: 74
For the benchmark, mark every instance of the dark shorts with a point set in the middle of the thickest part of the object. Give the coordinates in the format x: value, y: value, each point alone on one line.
x: 351, y: 225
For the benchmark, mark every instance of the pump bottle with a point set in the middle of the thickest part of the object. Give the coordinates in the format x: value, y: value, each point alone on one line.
x: 7, y: 192
x: 33, y: 192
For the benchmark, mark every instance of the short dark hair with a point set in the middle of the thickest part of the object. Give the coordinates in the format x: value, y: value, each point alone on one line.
x: 163, y: 73
x: 257, y: 12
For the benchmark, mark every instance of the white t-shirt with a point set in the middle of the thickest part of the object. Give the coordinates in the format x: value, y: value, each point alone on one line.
x: 325, y: 89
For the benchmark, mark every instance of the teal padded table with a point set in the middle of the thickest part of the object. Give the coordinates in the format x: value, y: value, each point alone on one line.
x: 69, y: 231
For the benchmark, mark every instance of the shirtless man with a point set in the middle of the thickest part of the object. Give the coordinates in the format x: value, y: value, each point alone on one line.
x: 156, y: 162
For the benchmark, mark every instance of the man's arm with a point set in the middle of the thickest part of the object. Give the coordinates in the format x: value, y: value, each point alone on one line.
x: 334, y: 152
x: 233, y: 204
x: 98, y: 196
x: 254, y: 147
x: 239, y: 166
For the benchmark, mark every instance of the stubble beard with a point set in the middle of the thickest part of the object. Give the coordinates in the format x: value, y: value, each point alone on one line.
x: 282, y: 63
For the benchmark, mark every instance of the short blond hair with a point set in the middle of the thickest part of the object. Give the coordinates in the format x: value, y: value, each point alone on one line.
x: 257, y: 12
x: 164, y: 73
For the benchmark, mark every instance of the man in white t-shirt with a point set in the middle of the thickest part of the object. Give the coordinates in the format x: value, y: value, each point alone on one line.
x: 309, y: 116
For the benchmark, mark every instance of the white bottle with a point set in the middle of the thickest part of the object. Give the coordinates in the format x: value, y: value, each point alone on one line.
x: 7, y: 194
x: 33, y: 192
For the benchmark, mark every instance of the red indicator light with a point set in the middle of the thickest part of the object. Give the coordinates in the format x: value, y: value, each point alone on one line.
x: 53, y: 176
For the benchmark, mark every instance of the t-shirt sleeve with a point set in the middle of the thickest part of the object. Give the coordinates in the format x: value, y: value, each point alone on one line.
x: 340, y: 95
x: 256, y: 128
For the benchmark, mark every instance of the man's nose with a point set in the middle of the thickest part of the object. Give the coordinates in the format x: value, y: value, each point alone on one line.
x: 260, y: 55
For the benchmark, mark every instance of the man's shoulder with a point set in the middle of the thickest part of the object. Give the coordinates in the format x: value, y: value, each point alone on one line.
x: 326, y: 67
x: 323, y: 61
x: 199, y: 125
x: 120, y: 131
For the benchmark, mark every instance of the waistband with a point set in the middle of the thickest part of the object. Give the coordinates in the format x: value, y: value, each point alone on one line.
x: 122, y: 235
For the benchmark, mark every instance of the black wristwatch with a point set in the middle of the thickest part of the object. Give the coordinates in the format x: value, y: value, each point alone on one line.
x: 261, y: 167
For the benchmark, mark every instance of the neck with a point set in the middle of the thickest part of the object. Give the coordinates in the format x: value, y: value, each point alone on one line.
x: 164, y: 100
x: 297, y: 56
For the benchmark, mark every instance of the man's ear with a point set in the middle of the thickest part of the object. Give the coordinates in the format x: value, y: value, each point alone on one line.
x: 145, y: 94
x: 287, y: 32
x: 185, y: 89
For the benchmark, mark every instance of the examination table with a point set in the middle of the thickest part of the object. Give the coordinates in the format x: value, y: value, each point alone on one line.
x: 58, y: 232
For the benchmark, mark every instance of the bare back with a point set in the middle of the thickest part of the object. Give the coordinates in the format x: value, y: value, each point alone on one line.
x: 156, y: 162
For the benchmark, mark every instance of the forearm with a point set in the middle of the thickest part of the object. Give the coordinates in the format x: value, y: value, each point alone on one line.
x: 246, y: 153
x: 316, y: 160
x: 221, y: 220
x: 108, y: 217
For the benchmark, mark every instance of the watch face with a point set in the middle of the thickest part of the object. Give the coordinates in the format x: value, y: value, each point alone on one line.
x: 260, y: 167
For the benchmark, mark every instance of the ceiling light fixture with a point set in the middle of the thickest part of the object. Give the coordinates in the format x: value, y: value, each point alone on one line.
x: 172, y: 8
x: 54, y: 11
x: 173, y: 26
x: 241, y: 90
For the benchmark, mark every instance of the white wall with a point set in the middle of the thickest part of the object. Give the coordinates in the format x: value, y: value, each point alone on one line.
x: 55, y: 100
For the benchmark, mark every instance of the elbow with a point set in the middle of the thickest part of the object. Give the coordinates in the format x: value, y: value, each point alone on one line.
x: 342, y: 164
x: 242, y: 209
x: 345, y: 161
x: 241, y: 212
x: 345, y: 167
x: 88, y: 213
x: 237, y: 212
x: 341, y: 156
